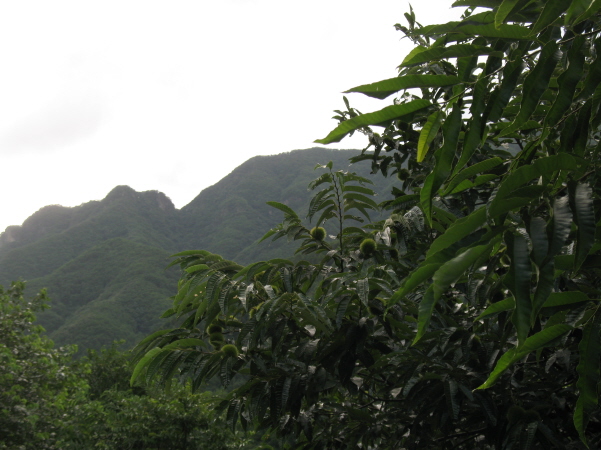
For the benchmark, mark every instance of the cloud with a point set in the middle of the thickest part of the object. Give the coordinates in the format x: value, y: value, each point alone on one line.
x: 53, y: 128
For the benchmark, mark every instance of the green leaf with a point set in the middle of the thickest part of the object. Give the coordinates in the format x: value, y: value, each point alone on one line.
x: 562, y: 221
x: 361, y: 189
x: 341, y: 309
x: 417, y: 277
x: 584, y: 216
x: 482, y: 166
x: 517, y: 280
x: 535, y: 84
x: 143, y: 363
x: 460, y: 229
x: 504, y: 10
x: 546, y: 270
x: 197, y: 267
x: 445, y: 276
x: 384, y: 115
x: 360, y: 198
x: 579, y: 9
x: 473, y: 137
x: 481, y: 3
x: 590, y: 11
x: 428, y: 133
x: 516, y: 179
x: 285, y: 209
x: 268, y: 234
x: 558, y: 299
x: 567, y: 81
x: 544, y: 286
x: 511, y: 75
x: 437, y: 53
x: 384, y: 88
x: 533, y: 343
x: 495, y: 32
x: 444, y: 160
x: 593, y: 78
x: 551, y: 11
x: 589, y: 350
x: 498, y: 307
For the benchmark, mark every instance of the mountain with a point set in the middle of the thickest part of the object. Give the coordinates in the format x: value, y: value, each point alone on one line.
x: 103, y: 262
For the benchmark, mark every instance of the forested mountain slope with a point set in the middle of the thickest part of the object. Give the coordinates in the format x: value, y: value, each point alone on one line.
x: 104, y: 262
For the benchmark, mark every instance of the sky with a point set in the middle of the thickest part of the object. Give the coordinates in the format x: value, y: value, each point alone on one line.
x: 173, y: 96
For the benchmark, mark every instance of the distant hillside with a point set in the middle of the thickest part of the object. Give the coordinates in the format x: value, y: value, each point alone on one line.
x: 103, y: 262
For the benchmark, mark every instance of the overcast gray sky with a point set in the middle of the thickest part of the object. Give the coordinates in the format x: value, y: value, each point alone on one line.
x: 173, y: 95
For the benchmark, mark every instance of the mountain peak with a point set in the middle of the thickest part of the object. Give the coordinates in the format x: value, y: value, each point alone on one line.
x: 155, y: 198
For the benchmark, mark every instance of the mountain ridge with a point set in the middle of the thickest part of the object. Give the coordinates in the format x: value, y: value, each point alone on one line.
x: 104, y: 261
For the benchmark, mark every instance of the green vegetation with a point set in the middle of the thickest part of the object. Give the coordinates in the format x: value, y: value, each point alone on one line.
x: 475, y: 321
x: 48, y: 400
x: 103, y: 262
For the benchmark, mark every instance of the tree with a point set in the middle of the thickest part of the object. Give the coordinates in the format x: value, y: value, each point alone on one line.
x: 470, y: 317
x: 37, y: 385
x: 48, y: 400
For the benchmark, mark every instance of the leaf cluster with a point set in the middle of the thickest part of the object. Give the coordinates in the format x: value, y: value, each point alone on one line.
x: 475, y: 323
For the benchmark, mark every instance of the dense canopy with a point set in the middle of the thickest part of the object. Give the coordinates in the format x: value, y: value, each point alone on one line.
x: 469, y: 317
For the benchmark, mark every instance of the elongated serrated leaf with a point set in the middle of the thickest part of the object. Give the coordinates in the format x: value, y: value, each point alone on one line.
x: 593, y: 9
x: 143, y: 363
x: 481, y: 3
x: 562, y: 221
x: 542, y: 166
x: 363, y: 290
x: 533, y: 343
x: 534, y: 85
x: 588, y: 369
x: 428, y: 133
x: 351, y: 176
x: 511, y: 75
x: 152, y: 337
x: 510, y: 32
x: 444, y: 160
x: 460, y: 229
x: 473, y: 137
x: 361, y: 189
x: 540, y: 241
x: 576, y: 10
x: 285, y: 209
x: 551, y: 11
x: 452, y: 51
x: 504, y: 305
x: 269, y: 234
x: 517, y: 280
x: 504, y: 10
x: 544, y: 286
x: 584, y: 216
x: 384, y: 88
x: 466, y: 184
x: 417, y: 277
x: 450, y: 392
x: 447, y: 274
x: 558, y: 299
x: 197, y: 268
x: 567, y: 81
x: 184, y: 343
x: 471, y: 171
x: 361, y: 199
x: 341, y: 310
x: 384, y: 115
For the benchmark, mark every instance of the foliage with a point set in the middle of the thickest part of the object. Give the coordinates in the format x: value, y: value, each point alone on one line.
x: 48, y: 400
x: 474, y: 322
x: 37, y: 383
x: 103, y: 262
